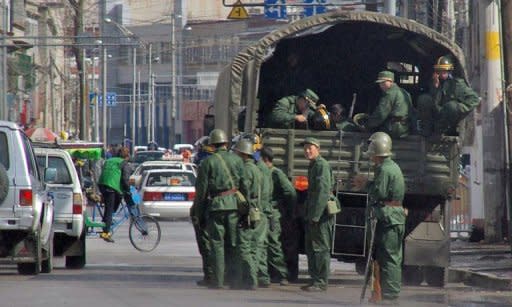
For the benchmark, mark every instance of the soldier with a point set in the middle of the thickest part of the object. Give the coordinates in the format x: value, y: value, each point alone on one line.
x: 252, y: 227
x: 284, y: 198
x: 449, y: 100
x: 293, y: 111
x: 319, y: 223
x: 393, y: 112
x: 386, y: 194
x: 215, y: 204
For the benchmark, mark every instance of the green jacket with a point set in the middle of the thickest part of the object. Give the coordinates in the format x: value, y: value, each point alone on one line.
x: 111, y: 174
x: 284, y: 193
x: 320, y: 184
x: 388, y: 185
x: 213, y: 178
x: 283, y: 114
x: 266, y: 187
x: 252, y: 184
x: 455, y: 89
x: 392, y: 114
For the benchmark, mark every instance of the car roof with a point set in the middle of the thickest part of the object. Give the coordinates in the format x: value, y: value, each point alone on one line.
x: 52, y: 151
x: 169, y: 171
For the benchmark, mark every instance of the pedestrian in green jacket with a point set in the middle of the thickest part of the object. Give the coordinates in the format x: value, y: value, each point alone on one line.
x: 293, y: 111
x: 283, y: 197
x: 386, y: 194
x: 218, y: 179
x: 253, y: 226
x: 448, y: 101
x: 319, y: 223
x: 393, y: 112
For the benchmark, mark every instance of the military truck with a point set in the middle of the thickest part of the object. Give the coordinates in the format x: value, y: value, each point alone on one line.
x: 338, y: 55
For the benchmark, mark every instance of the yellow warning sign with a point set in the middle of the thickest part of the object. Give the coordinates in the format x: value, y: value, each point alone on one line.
x: 238, y: 11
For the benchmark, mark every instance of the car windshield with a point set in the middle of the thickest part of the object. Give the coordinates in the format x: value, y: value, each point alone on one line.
x: 143, y: 156
x: 159, y: 166
x: 4, y: 150
x: 63, y: 175
x: 180, y: 179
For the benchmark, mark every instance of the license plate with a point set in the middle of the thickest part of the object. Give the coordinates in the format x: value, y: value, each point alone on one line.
x: 174, y: 196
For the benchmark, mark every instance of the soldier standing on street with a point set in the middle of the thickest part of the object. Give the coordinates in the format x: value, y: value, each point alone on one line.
x: 386, y: 194
x: 284, y: 198
x: 319, y: 223
x: 252, y: 227
x: 449, y: 100
x: 216, y: 205
x: 393, y: 112
x: 293, y: 111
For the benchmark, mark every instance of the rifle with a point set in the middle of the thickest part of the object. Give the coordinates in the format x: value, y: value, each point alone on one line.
x: 367, y: 270
x: 351, y: 113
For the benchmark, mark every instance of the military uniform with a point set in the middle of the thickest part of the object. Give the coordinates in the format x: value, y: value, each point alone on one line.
x: 283, y: 114
x: 392, y: 114
x: 319, y: 223
x: 280, y: 240
x: 220, y: 215
x: 262, y: 237
x: 203, y: 244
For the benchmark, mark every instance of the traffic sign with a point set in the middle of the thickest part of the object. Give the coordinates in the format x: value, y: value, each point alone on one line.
x: 111, y: 99
x: 238, y: 11
x: 315, y: 9
x: 275, y: 11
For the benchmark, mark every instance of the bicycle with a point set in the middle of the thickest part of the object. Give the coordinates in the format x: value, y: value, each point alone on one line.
x: 144, y: 231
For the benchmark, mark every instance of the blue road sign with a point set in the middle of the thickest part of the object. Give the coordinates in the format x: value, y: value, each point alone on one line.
x: 275, y: 11
x: 111, y: 98
x: 315, y: 9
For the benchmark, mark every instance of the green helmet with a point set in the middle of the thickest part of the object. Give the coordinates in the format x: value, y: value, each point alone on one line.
x: 244, y: 146
x: 380, y: 145
x: 217, y: 136
x: 444, y: 63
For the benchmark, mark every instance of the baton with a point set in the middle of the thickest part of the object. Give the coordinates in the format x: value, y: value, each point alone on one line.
x: 354, y: 96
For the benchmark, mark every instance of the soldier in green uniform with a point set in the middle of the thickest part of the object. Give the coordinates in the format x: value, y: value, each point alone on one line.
x: 252, y: 229
x: 319, y: 223
x: 284, y: 198
x: 386, y: 194
x: 293, y: 111
x: 340, y: 121
x: 215, y: 204
x: 393, y: 112
x: 449, y: 100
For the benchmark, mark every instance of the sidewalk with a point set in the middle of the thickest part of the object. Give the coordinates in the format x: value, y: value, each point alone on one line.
x: 482, y: 265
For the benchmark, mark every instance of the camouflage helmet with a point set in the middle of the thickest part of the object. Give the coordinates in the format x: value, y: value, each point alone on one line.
x: 379, y: 145
x: 320, y: 119
x: 244, y: 146
x: 444, y: 63
x: 217, y: 136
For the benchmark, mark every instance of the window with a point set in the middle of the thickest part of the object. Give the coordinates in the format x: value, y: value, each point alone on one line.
x: 63, y: 175
x: 171, y: 179
x: 4, y: 150
x: 29, y: 157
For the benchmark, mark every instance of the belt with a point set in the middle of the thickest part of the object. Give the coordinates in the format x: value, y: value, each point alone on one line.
x: 392, y: 203
x: 398, y: 119
x: 227, y: 192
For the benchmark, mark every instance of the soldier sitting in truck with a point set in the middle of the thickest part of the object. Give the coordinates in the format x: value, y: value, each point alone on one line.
x: 392, y: 114
x: 293, y: 111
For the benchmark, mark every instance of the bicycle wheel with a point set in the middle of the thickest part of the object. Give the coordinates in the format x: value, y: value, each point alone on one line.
x: 144, y: 233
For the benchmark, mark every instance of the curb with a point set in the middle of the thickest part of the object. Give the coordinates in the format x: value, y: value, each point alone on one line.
x: 478, y: 252
x: 478, y: 279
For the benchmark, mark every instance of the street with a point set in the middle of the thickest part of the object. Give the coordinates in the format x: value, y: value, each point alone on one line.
x: 118, y: 275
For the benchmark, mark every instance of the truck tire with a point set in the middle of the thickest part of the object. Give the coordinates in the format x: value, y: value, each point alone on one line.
x: 4, y: 183
x: 33, y: 268
x: 435, y: 276
x: 77, y: 262
x: 412, y: 275
x: 47, y: 263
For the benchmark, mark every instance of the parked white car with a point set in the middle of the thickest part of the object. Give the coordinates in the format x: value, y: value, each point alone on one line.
x: 26, y: 210
x: 168, y: 193
x: 70, y: 206
x: 135, y: 178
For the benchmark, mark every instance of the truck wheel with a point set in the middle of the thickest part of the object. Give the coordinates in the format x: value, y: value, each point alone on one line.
x: 4, y: 183
x: 33, y: 268
x: 412, y: 275
x: 77, y: 262
x: 360, y: 267
x: 435, y: 276
x: 47, y: 263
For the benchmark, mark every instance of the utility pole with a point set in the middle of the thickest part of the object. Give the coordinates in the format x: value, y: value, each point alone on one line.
x: 173, y: 86
x: 390, y: 7
x: 134, y: 101
x: 103, y: 9
x: 3, y: 63
x: 149, y: 106
x: 493, y: 124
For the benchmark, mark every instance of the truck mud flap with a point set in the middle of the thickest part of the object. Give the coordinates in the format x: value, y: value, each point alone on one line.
x: 428, y: 244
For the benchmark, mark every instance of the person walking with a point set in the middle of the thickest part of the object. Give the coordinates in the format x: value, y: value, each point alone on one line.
x: 386, y: 194
x: 319, y: 223
x: 215, y: 204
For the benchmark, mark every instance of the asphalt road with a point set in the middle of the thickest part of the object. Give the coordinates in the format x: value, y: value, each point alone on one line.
x: 119, y: 275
